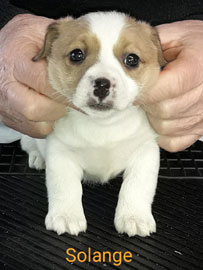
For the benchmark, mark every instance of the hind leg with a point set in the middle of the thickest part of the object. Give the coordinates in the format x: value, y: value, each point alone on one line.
x: 30, y: 145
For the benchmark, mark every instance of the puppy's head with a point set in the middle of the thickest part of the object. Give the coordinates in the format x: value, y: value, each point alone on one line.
x: 102, y: 61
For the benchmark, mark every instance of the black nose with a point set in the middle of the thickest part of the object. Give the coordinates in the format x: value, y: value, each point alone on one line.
x: 102, y: 86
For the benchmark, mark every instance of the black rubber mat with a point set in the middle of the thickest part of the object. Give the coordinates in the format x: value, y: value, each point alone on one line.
x: 178, y: 210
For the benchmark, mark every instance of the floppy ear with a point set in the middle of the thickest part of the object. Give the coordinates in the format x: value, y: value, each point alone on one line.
x: 157, y: 43
x: 51, y: 34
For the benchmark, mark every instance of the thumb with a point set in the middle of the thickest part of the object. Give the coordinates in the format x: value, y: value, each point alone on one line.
x: 175, y: 144
x: 174, y: 80
x: 27, y: 103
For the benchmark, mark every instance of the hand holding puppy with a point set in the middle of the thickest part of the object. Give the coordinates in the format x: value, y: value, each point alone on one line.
x: 175, y: 104
x: 26, y: 99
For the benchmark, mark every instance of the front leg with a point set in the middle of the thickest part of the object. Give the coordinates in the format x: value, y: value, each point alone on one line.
x: 63, y: 180
x: 133, y: 213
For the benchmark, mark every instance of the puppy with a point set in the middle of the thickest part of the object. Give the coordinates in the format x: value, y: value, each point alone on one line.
x: 100, y: 62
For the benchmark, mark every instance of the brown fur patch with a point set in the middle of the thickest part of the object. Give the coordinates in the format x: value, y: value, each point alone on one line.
x: 141, y: 39
x: 51, y: 34
x: 70, y: 34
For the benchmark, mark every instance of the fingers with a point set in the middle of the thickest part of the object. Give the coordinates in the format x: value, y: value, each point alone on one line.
x: 24, y: 95
x: 32, y: 74
x: 175, y: 144
x: 30, y: 113
x: 27, y: 34
x: 35, y: 74
x: 184, y: 63
x: 174, y: 104
x: 186, y: 105
x: 33, y: 129
x: 169, y: 34
x: 172, y: 32
x: 178, y: 127
x: 173, y: 81
x: 33, y: 106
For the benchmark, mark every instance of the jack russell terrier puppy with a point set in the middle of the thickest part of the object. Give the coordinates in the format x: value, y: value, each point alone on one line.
x: 100, y: 62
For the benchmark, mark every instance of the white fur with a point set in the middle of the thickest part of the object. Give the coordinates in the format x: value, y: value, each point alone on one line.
x: 100, y: 145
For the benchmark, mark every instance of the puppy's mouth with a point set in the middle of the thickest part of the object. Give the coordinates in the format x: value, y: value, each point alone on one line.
x: 101, y: 106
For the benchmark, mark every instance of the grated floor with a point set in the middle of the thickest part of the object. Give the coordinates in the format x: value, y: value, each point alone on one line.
x: 178, y: 210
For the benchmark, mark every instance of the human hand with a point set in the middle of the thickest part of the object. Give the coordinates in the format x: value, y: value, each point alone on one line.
x: 27, y: 102
x: 175, y: 105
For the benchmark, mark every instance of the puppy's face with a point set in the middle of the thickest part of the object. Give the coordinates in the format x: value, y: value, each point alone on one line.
x: 102, y: 61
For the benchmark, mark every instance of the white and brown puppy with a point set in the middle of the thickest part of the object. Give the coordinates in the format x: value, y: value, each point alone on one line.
x: 100, y: 62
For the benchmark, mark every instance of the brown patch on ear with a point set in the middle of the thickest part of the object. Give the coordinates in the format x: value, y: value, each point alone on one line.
x: 65, y: 75
x: 142, y: 39
x: 51, y: 34
x: 157, y: 43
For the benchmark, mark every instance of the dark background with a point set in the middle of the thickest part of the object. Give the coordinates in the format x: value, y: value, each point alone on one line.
x: 153, y: 11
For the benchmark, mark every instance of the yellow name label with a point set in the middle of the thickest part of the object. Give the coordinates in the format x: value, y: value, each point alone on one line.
x: 116, y: 257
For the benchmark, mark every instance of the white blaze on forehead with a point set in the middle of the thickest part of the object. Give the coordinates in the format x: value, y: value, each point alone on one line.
x: 107, y: 27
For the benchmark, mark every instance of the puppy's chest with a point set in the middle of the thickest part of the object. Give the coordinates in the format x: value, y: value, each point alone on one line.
x: 105, y: 162
x: 104, y: 148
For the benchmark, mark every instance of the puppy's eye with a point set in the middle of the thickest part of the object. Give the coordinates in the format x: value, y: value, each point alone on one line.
x: 77, y: 56
x: 131, y: 60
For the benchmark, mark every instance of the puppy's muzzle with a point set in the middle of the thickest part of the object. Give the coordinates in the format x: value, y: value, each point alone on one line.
x: 101, y: 88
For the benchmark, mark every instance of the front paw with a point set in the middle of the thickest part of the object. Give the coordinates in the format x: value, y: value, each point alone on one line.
x: 135, y: 224
x: 36, y: 161
x: 61, y: 222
